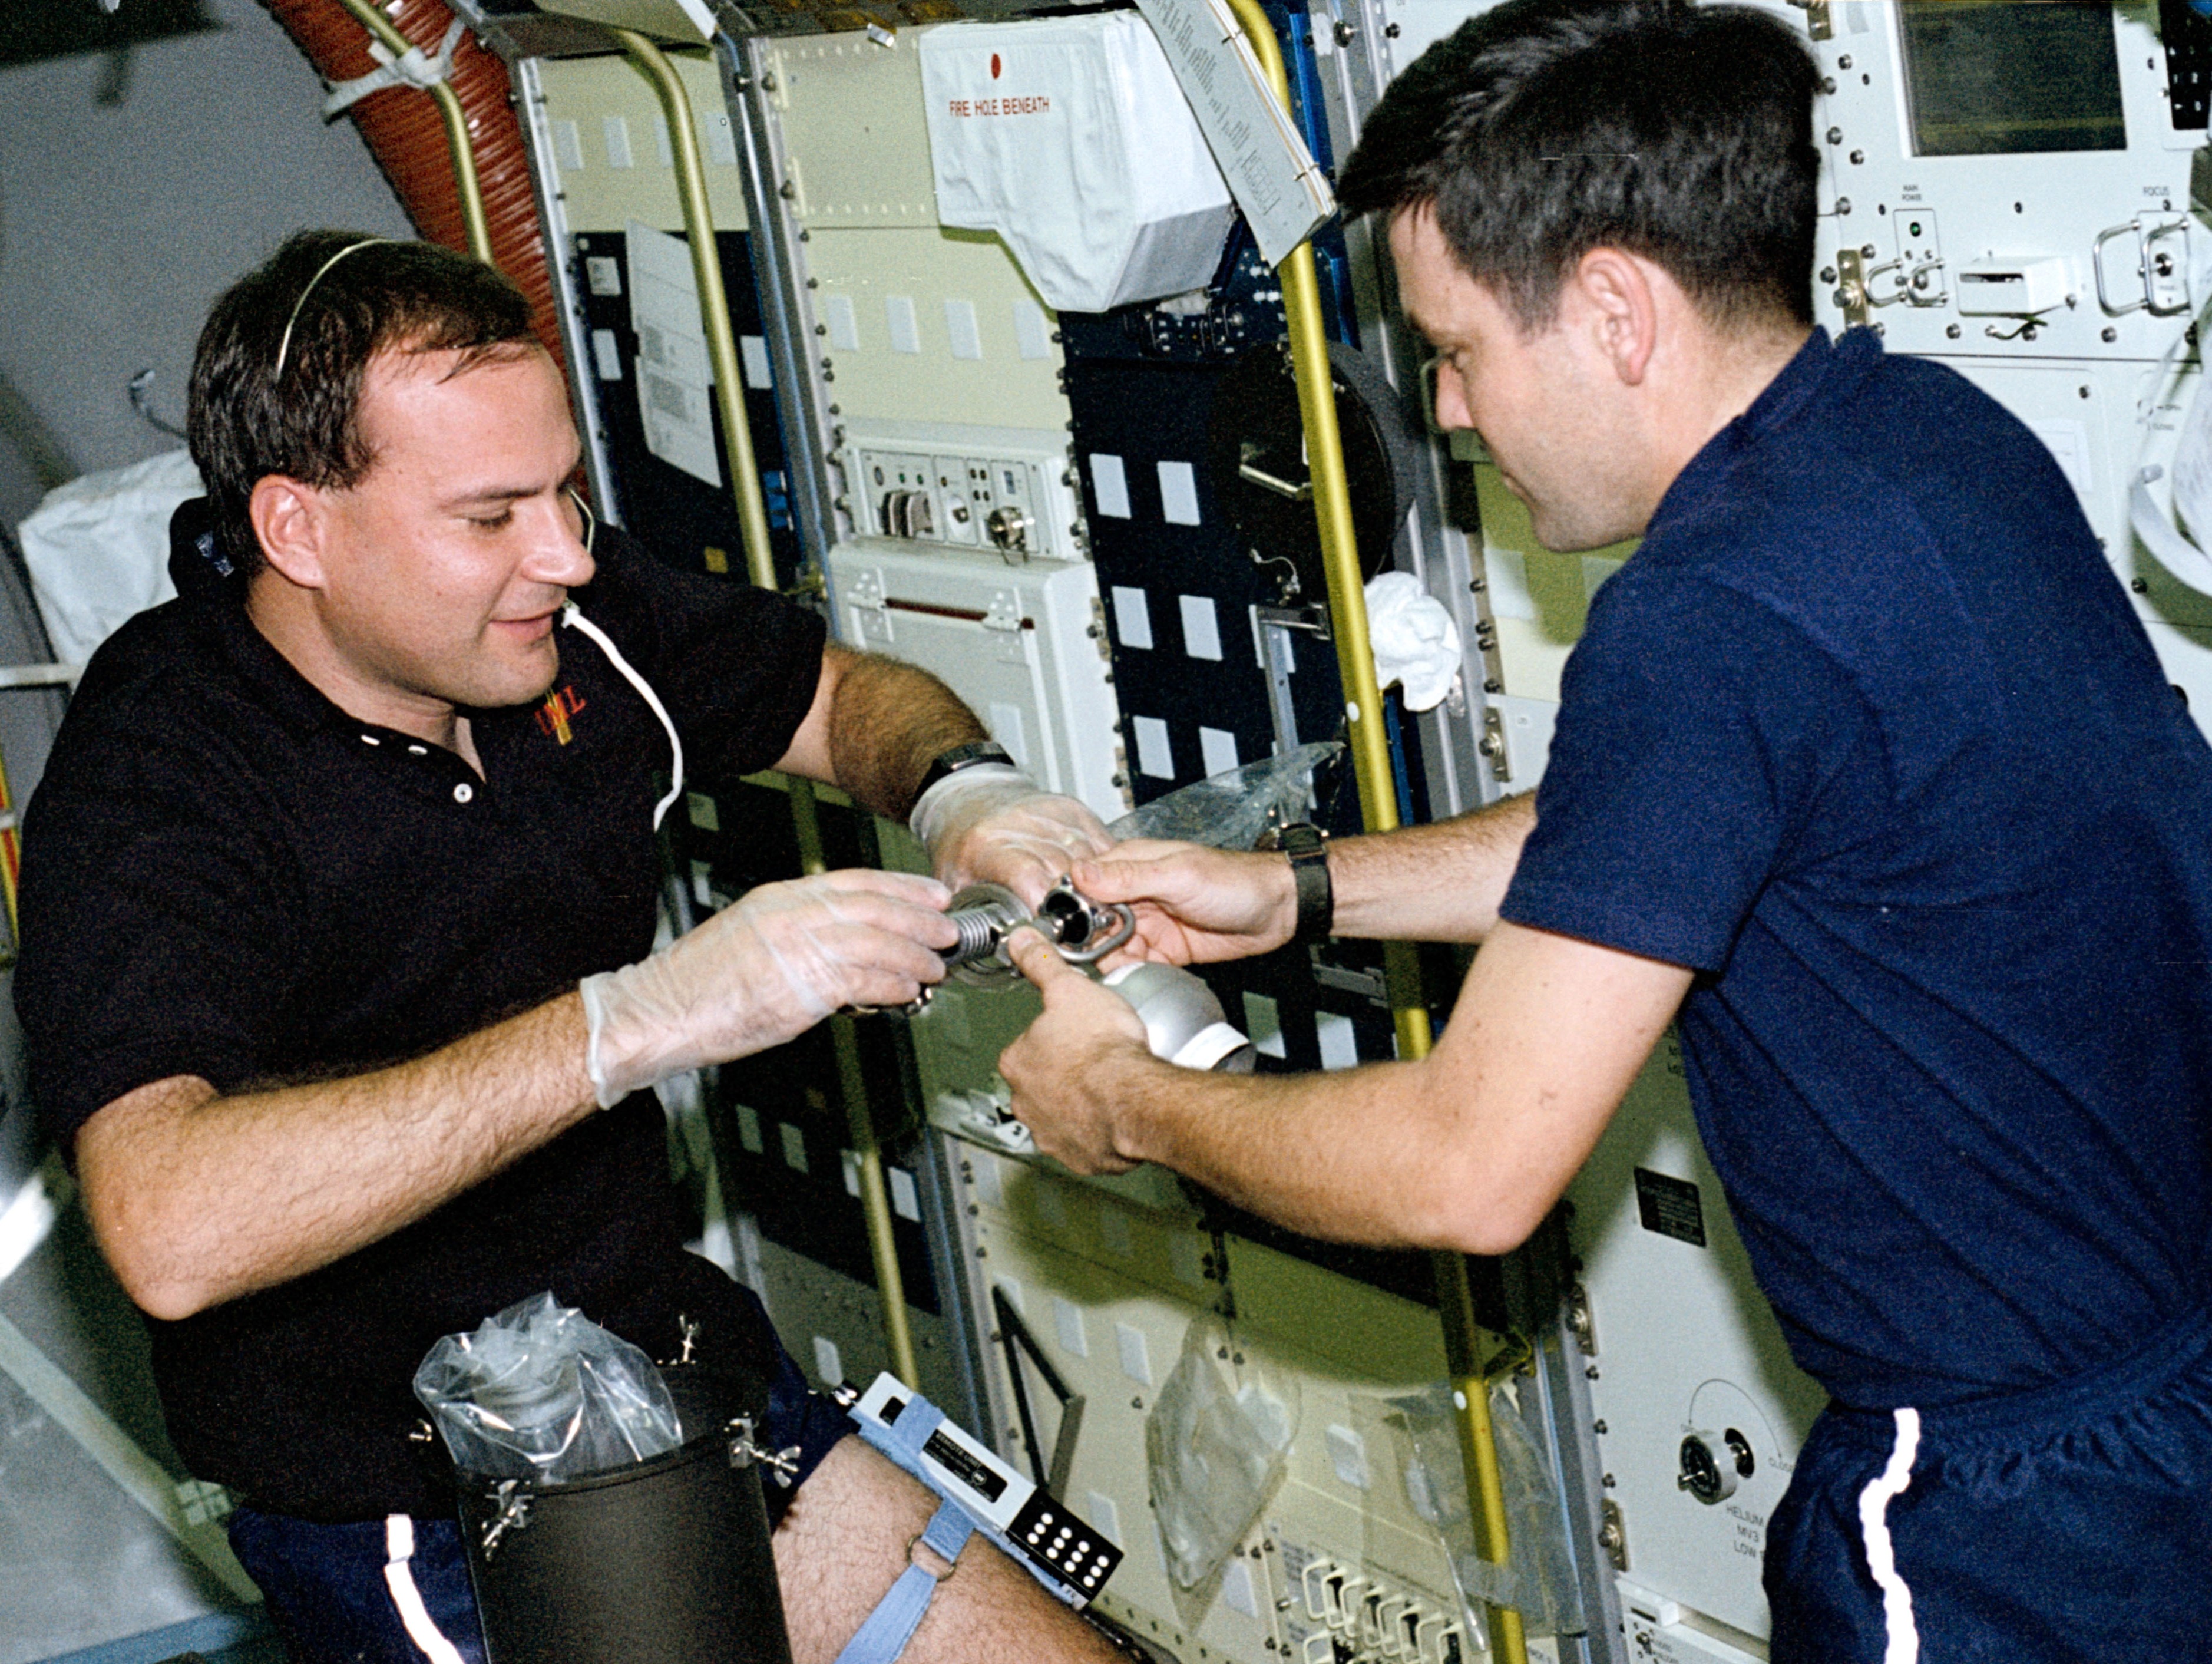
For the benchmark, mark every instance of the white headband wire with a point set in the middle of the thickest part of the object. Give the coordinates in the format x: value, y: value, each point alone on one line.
x: 284, y: 346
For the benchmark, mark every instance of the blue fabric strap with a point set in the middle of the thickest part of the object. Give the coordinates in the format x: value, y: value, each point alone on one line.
x: 892, y: 1624
x: 903, y: 1439
x: 901, y: 1443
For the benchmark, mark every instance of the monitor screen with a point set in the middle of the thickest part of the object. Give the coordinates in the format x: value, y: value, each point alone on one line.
x: 1995, y: 78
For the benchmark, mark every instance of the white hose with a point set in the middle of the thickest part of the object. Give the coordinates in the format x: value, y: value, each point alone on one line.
x: 571, y: 615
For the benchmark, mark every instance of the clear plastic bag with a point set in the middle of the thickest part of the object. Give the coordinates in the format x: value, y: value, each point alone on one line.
x: 1230, y: 811
x: 1537, y: 1579
x: 540, y: 1391
x: 1215, y: 1454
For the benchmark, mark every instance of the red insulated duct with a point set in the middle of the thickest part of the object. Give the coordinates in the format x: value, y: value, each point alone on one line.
x: 407, y: 136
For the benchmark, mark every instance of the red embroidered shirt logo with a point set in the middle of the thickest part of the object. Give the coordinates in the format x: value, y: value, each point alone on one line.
x: 553, y: 716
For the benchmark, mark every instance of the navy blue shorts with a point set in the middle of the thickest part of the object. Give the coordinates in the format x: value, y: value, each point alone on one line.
x: 2060, y: 1527
x: 397, y: 1591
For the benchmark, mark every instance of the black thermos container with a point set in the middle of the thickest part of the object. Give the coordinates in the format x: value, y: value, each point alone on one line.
x: 667, y: 1562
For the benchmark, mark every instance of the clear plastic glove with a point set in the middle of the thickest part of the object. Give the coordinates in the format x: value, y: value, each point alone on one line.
x: 763, y: 972
x: 992, y: 824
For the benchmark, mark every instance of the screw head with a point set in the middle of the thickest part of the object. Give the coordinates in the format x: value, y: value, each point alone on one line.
x: 1835, y: 136
x: 1843, y: 205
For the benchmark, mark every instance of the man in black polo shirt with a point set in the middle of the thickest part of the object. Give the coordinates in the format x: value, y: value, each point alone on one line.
x: 341, y: 882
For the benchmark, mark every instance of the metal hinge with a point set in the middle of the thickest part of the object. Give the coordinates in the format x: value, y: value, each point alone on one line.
x: 1493, y: 744
x: 1580, y: 1324
x: 1613, y: 1535
x: 1851, y: 297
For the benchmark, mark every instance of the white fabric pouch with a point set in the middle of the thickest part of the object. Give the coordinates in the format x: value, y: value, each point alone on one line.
x: 98, y: 549
x: 1071, y: 139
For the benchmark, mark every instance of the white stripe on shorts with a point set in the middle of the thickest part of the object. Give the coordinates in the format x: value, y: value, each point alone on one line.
x: 399, y: 1578
x: 1881, y: 1557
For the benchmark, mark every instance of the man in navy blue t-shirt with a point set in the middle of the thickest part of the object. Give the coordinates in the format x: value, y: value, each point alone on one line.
x: 1817, y: 794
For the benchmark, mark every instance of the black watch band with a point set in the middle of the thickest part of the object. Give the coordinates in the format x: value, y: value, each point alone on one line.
x: 950, y: 763
x: 1307, y: 846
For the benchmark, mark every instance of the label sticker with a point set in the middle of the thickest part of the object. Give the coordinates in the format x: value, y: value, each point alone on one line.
x: 1671, y: 1207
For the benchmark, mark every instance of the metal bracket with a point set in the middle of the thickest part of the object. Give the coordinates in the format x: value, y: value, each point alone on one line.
x: 513, y: 1498
x: 1613, y: 1535
x: 1016, y: 1340
x: 1818, y: 21
x: 1493, y: 744
x: 1850, y: 289
x: 1579, y: 1321
x: 1365, y: 984
x: 1312, y: 620
x: 782, y: 1464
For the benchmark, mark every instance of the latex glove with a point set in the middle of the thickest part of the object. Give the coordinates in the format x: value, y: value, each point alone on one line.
x: 991, y: 823
x: 764, y: 971
x: 1194, y: 905
x: 1076, y: 1071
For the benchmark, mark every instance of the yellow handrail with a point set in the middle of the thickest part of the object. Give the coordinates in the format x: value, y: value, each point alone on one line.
x: 760, y: 567
x: 1378, y: 802
x: 457, y: 132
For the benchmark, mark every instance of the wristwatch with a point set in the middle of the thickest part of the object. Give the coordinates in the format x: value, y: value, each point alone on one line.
x: 950, y: 763
x: 1307, y: 846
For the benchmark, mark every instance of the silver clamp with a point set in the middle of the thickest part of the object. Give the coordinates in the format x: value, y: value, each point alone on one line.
x: 1081, y: 931
x: 782, y: 1464
x: 513, y: 1497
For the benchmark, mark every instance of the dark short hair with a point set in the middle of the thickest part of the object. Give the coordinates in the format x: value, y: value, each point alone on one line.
x: 244, y: 421
x: 1546, y: 128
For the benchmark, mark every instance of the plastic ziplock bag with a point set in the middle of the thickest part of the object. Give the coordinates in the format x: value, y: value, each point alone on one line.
x: 1230, y: 811
x: 1215, y: 1454
x: 541, y: 1392
x: 1538, y: 1577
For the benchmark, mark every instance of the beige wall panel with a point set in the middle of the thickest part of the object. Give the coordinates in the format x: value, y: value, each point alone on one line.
x: 1538, y: 597
x: 1147, y: 1234
x: 854, y: 131
x: 805, y: 1300
x: 594, y: 106
x: 1064, y: 1297
x: 1365, y: 1333
x: 889, y: 276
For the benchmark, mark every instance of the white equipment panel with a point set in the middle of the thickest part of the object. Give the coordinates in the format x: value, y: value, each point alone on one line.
x: 1009, y: 491
x: 1698, y: 1410
x: 1023, y: 644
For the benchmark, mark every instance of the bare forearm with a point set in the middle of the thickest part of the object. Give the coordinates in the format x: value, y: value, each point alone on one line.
x: 1440, y: 882
x: 888, y: 722
x: 1363, y: 1155
x: 198, y: 1198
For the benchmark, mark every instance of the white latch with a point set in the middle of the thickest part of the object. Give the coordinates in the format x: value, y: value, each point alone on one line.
x: 2013, y: 288
x: 864, y: 593
x: 1005, y: 611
